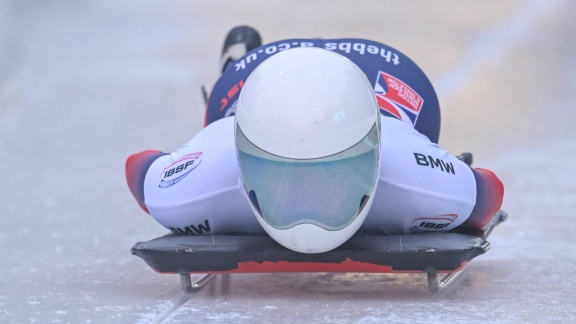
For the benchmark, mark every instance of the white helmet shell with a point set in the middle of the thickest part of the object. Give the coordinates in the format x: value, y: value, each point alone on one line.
x: 312, y: 101
x: 307, y: 138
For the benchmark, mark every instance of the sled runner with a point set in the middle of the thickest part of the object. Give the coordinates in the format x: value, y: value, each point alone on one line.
x: 431, y: 253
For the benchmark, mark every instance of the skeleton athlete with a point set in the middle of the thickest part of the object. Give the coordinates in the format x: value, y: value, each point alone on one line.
x: 311, y: 141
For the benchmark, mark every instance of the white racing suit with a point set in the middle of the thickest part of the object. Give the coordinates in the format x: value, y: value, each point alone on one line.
x: 198, y: 189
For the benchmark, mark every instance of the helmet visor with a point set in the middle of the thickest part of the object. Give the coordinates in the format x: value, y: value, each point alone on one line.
x: 329, y: 192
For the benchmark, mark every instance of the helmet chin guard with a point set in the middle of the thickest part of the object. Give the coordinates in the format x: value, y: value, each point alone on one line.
x: 307, y: 140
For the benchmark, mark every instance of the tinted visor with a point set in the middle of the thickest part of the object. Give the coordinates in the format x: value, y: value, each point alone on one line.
x: 329, y: 192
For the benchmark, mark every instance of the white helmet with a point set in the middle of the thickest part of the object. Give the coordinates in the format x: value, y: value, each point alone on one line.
x: 307, y: 139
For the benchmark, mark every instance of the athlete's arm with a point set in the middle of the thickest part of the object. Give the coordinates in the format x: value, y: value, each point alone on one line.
x: 197, y: 189
x: 423, y: 188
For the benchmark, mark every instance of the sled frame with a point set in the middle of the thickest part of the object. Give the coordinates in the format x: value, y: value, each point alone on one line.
x: 437, y: 281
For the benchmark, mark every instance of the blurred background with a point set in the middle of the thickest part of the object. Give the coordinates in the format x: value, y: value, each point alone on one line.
x: 84, y: 84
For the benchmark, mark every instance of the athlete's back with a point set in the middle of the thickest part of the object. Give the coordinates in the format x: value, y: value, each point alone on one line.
x: 402, y: 89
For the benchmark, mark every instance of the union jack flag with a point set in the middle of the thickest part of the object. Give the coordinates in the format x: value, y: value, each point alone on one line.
x: 397, y: 98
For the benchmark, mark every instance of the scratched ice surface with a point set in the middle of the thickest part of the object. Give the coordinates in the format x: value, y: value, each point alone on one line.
x: 85, y: 84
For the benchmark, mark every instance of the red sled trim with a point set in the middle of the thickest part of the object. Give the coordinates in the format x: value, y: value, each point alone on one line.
x: 312, y: 267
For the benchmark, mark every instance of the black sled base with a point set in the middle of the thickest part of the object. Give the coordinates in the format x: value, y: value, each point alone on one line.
x: 430, y: 253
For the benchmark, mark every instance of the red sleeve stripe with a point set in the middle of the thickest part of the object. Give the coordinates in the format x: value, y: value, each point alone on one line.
x: 136, y: 168
x: 489, y: 197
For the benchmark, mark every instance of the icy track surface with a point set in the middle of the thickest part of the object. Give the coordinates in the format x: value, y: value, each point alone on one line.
x: 85, y: 84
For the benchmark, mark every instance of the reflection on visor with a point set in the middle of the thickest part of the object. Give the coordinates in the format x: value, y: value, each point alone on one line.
x: 329, y: 192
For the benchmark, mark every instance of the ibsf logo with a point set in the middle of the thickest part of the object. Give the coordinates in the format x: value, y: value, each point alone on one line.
x: 178, y: 170
x: 434, y: 223
x: 397, y: 98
